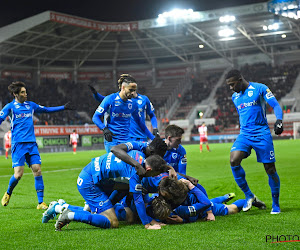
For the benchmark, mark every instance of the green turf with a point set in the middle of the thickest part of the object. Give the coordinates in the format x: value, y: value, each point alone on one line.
x: 21, y: 226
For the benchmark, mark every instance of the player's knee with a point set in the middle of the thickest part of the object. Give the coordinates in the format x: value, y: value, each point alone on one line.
x: 234, y: 161
x: 18, y: 175
x: 232, y: 209
x: 114, y: 223
x: 270, y: 168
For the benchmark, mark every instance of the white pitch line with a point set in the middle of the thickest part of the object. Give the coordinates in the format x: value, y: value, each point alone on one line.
x: 49, y: 171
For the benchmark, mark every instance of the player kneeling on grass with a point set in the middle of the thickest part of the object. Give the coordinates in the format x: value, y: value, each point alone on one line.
x: 109, y: 168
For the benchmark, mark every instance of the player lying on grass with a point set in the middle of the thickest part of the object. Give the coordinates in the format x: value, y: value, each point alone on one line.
x: 109, y: 170
x: 192, y: 207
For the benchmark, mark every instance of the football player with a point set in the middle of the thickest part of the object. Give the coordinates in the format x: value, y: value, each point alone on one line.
x: 250, y: 100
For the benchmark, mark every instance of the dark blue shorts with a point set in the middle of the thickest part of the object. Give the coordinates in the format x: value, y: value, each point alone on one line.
x: 25, y: 152
x: 262, y: 145
x: 94, y: 196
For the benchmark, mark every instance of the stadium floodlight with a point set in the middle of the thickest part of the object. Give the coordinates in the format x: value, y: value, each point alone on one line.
x: 201, y: 46
x: 227, y: 19
x: 283, y: 36
x: 265, y: 27
x: 226, y: 32
x: 177, y: 14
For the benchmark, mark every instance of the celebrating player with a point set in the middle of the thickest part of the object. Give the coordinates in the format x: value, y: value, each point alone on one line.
x: 145, y: 107
x: 203, y: 136
x: 120, y: 109
x: 250, y: 101
x: 24, y: 146
x: 176, y: 154
x: 74, y: 138
x: 109, y: 170
x: 7, y: 141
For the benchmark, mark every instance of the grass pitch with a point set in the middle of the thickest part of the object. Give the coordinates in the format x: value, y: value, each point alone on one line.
x: 21, y: 226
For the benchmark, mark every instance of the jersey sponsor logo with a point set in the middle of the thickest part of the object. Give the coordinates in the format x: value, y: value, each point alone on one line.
x: 138, y: 187
x: 129, y: 145
x: 100, y: 110
x: 192, y: 211
x: 174, y: 155
x: 27, y: 106
x: 129, y: 105
x: 250, y: 93
x: 269, y: 94
x: 23, y: 115
x: 140, y: 102
x: 121, y: 115
x: 247, y: 104
x: 183, y: 160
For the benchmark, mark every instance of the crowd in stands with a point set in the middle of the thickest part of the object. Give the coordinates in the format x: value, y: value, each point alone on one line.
x: 51, y: 92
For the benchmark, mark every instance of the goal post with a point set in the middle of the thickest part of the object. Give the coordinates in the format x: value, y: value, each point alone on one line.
x: 296, y: 130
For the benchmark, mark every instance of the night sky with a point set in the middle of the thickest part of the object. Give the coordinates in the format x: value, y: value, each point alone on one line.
x: 111, y: 10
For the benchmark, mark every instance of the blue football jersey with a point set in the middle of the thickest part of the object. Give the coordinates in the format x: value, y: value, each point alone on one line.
x: 22, y: 129
x: 145, y: 108
x: 251, y: 107
x: 108, y: 169
x: 176, y: 157
x: 120, y: 113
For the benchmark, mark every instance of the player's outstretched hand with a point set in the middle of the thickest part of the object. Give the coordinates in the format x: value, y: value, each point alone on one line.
x: 107, y: 134
x: 174, y: 219
x: 92, y: 89
x: 193, y: 180
x: 155, y: 132
x: 69, y: 106
x: 278, y: 127
x: 153, y: 227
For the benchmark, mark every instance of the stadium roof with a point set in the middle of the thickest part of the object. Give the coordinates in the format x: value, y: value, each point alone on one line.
x: 52, y: 39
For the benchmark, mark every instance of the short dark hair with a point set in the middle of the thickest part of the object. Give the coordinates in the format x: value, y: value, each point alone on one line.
x: 233, y: 73
x: 173, y: 131
x: 158, y: 146
x: 15, y: 87
x: 157, y: 163
x: 177, y: 191
x: 125, y: 78
x: 161, y: 209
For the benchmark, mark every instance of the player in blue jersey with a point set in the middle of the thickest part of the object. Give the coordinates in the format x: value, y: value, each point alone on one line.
x: 145, y: 108
x: 176, y: 154
x: 120, y: 109
x: 194, y: 204
x: 109, y: 170
x: 250, y: 100
x: 24, y: 146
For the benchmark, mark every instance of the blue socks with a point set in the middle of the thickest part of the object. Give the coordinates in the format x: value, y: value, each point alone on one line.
x: 96, y: 220
x: 39, y: 187
x: 274, y: 183
x: 75, y: 208
x: 219, y: 199
x: 11, y: 185
x: 239, y: 204
x: 240, y: 178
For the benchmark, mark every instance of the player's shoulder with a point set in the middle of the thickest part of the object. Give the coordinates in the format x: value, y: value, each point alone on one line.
x: 257, y: 86
x: 181, y: 149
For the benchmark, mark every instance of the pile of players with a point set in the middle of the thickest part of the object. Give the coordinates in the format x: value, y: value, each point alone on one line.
x: 115, y: 186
